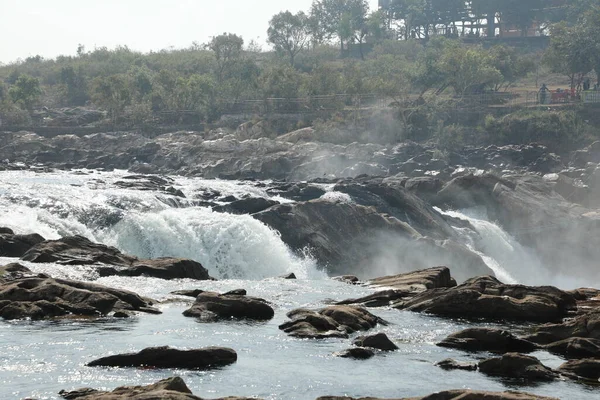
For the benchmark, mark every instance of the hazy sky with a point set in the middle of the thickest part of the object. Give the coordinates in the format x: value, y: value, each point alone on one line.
x: 54, y: 27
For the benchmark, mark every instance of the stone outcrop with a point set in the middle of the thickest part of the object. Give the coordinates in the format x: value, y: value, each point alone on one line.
x: 461, y: 394
x: 582, y: 326
x: 417, y: 281
x: 12, y: 245
x: 575, y: 347
x: 588, y: 368
x: 487, y: 339
x: 332, y: 321
x: 167, y: 357
x: 43, y: 297
x: 450, y: 364
x: 246, y: 206
x: 211, y: 306
x: 515, y: 365
x: 487, y: 297
x: 358, y: 353
x: 378, y: 341
x: 77, y: 250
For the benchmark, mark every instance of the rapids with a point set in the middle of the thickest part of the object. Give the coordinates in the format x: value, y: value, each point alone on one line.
x: 37, y: 359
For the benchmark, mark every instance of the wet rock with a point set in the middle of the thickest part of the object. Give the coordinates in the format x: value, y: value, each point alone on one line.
x: 582, y: 326
x: 246, y: 206
x: 379, y: 341
x: 189, y: 293
x: 381, y: 298
x: 588, y: 368
x: 14, y: 271
x: 291, y: 275
x: 211, y: 306
x: 77, y: 250
x: 417, y: 281
x: 461, y: 394
x: 358, y: 353
x: 425, y: 188
x: 297, y: 191
x: 515, y: 365
x: 167, y: 357
x: 487, y: 339
x: 12, y: 245
x: 350, y: 279
x: 576, y: 348
x: 41, y: 298
x: 332, y: 321
x: 450, y: 364
x: 487, y: 297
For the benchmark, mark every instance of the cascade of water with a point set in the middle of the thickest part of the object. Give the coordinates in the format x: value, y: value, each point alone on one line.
x: 139, y: 223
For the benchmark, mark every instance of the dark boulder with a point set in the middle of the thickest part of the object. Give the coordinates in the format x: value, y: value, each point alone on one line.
x: 251, y: 205
x: 583, y: 326
x: 291, y: 275
x: 163, y: 268
x: 211, y: 306
x: 417, y: 281
x: 167, y: 357
x: 349, y: 279
x: 381, y: 298
x: 358, y: 353
x: 575, y: 348
x: 450, y: 364
x: 487, y: 339
x: 332, y: 321
x: 588, y: 368
x: 379, y: 341
x: 14, y: 271
x: 515, y: 365
x: 297, y: 191
x: 171, y: 388
x: 43, y: 297
x: 460, y: 394
x: 189, y: 293
x: 12, y: 245
x: 487, y: 297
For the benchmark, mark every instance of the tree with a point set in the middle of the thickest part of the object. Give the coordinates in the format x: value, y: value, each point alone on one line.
x: 469, y: 69
x: 25, y: 92
x: 74, y: 85
x: 227, y: 49
x: 568, y: 52
x: 510, y: 64
x: 289, y: 33
x: 112, y: 93
x: 339, y: 18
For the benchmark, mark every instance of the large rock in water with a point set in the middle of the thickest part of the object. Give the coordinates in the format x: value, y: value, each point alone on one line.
x: 588, y: 368
x: 211, y: 306
x: 487, y: 339
x: 12, y: 245
x: 77, y: 250
x: 332, y: 321
x: 576, y: 348
x: 350, y: 238
x: 487, y: 297
x: 43, y: 297
x: 515, y: 365
x: 167, y: 357
x: 379, y: 341
x: 582, y: 326
x: 461, y: 394
x: 417, y: 281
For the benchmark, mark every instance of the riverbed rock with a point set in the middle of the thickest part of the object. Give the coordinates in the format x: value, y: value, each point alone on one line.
x: 378, y: 341
x: 487, y: 297
x: 78, y: 250
x: 417, y: 281
x: 168, y: 357
x: 588, y: 368
x: 171, y: 388
x: 575, y: 347
x: 211, y: 306
x: 381, y: 298
x: 358, y: 353
x: 332, y: 321
x: 515, y: 365
x: 12, y: 271
x: 450, y: 364
x: 251, y: 205
x: 43, y: 297
x: 12, y: 245
x: 582, y: 326
x: 460, y: 394
x: 487, y: 339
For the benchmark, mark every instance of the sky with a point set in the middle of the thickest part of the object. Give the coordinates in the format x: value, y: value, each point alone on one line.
x: 55, y: 27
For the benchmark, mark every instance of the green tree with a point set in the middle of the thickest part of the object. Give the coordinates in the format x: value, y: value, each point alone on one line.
x: 511, y: 65
x: 289, y: 33
x: 469, y: 69
x: 74, y: 85
x: 113, y: 94
x: 26, y: 91
x: 227, y: 49
x: 568, y: 52
x: 339, y: 18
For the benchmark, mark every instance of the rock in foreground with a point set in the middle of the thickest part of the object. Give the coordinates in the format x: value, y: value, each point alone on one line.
x: 417, y: 281
x: 171, y: 389
x: 588, y: 368
x: 379, y: 341
x: 333, y: 321
x: 487, y: 339
x: 487, y: 297
x: 43, y: 297
x: 515, y: 365
x: 12, y: 245
x: 167, y: 357
x: 463, y: 394
x: 211, y: 306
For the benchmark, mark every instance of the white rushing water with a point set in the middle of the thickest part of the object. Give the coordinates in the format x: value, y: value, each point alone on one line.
x: 37, y: 359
